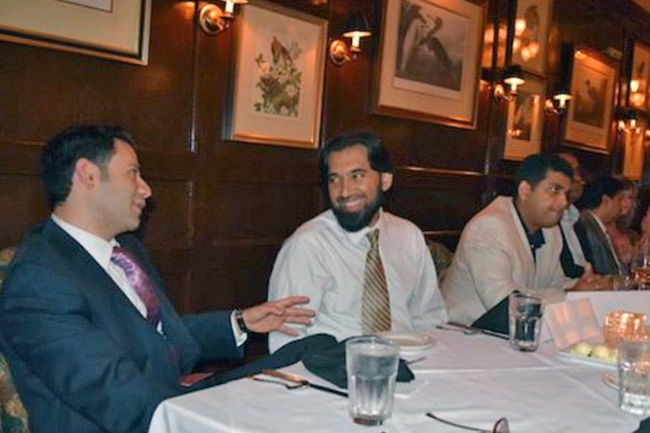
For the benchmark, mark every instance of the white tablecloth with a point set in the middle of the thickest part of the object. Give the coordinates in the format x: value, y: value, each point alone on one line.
x: 472, y: 379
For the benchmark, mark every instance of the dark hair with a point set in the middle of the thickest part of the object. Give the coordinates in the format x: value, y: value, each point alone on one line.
x: 594, y: 191
x: 377, y: 153
x: 534, y: 169
x: 62, y: 151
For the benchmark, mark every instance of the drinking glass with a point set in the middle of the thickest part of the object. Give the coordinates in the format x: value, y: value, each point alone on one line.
x: 525, y: 314
x: 371, y: 365
x: 641, y: 267
x: 634, y: 375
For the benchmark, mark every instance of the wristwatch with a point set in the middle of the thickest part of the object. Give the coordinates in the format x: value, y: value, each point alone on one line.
x: 239, y: 317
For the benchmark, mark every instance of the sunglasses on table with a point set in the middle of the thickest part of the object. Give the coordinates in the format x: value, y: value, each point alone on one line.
x: 501, y: 426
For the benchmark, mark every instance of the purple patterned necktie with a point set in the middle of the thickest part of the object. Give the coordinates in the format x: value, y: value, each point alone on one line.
x: 140, y: 282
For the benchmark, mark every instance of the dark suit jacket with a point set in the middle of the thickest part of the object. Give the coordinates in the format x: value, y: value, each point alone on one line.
x: 601, y: 254
x: 83, y: 358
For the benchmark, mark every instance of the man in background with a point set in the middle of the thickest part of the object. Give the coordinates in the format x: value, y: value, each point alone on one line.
x: 514, y: 244
x: 91, y: 339
x: 572, y: 256
x: 364, y: 269
x: 602, y: 202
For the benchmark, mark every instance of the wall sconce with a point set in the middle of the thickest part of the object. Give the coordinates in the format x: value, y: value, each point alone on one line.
x: 214, y: 20
x: 513, y: 77
x: 356, y: 27
x: 558, y: 104
x: 629, y: 121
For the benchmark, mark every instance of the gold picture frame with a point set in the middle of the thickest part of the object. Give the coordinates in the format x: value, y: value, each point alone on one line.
x: 91, y: 27
x: 589, y: 123
x: 530, y: 41
x: 639, y: 88
x: 429, y: 61
x: 277, y: 87
x: 524, y: 120
x: 633, y: 141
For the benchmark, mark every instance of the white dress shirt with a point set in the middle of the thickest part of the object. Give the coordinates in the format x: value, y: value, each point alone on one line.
x: 570, y: 217
x: 101, y: 250
x: 327, y: 263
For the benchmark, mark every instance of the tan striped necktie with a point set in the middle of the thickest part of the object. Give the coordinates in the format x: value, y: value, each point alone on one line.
x: 375, y: 309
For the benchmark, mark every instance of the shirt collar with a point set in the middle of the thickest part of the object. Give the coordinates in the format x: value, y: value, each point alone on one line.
x: 536, y: 239
x: 571, y: 214
x: 600, y: 223
x: 100, y: 249
x: 360, y: 235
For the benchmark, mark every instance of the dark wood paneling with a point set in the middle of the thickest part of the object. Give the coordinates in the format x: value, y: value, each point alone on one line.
x: 221, y: 209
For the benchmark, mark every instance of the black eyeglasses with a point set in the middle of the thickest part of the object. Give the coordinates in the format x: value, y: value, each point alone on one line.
x: 501, y: 426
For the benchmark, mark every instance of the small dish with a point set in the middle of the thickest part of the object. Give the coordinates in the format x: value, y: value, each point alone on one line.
x: 409, y: 342
x: 586, y: 359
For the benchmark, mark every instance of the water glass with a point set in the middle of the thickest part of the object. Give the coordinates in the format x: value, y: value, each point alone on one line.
x: 634, y: 375
x: 525, y: 314
x: 371, y: 365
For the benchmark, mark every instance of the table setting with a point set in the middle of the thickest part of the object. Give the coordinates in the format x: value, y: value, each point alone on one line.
x: 462, y: 380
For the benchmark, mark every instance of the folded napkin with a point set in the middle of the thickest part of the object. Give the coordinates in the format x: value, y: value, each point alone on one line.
x: 495, y: 319
x: 328, y: 362
x: 644, y: 427
x: 288, y: 354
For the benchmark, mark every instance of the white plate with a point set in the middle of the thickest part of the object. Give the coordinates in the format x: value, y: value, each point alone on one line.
x: 409, y: 342
x: 586, y: 359
x: 611, y: 380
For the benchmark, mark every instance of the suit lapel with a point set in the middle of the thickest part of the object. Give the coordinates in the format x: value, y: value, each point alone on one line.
x: 80, y: 259
x: 523, y: 244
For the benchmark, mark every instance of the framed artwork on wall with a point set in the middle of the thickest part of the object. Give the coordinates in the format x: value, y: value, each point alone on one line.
x: 92, y: 27
x: 530, y: 42
x: 278, y: 79
x: 593, y: 83
x: 634, y: 151
x: 640, y: 73
x: 523, y: 132
x: 429, y: 61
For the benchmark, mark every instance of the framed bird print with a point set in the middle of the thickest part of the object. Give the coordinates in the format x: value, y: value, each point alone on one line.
x: 278, y: 78
x: 523, y: 135
x: 640, y: 73
x: 429, y: 61
x: 530, y: 41
x: 589, y: 119
x: 112, y: 29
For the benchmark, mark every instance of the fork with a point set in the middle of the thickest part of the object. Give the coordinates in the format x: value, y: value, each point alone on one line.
x: 466, y: 331
x: 286, y: 385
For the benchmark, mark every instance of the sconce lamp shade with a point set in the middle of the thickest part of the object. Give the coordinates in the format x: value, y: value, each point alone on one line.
x: 630, y: 116
x: 562, y: 96
x: 356, y: 27
x: 513, y: 76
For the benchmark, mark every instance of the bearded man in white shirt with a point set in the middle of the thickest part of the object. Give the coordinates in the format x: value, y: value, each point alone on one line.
x: 330, y: 257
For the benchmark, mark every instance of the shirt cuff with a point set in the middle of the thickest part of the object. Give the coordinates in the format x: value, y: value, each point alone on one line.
x: 240, y: 336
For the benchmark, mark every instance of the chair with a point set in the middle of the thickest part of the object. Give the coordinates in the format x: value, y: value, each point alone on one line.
x: 13, y: 415
x: 442, y: 258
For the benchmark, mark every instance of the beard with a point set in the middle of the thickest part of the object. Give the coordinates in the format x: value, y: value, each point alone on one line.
x: 355, y: 221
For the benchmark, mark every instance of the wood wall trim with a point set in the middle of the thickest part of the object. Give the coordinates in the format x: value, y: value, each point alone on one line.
x: 439, y: 171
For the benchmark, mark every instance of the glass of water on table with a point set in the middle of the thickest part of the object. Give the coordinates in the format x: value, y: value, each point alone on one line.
x: 525, y: 316
x: 634, y: 375
x: 371, y: 364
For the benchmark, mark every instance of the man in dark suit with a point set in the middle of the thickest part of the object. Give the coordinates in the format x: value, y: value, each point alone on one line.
x: 92, y: 342
x: 601, y: 203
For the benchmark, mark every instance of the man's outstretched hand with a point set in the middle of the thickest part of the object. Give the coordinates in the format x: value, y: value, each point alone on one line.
x: 273, y: 316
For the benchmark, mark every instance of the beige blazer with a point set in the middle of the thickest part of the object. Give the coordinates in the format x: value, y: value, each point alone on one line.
x: 494, y: 258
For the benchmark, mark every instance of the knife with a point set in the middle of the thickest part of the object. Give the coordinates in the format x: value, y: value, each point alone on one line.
x: 482, y: 331
x: 300, y: 380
